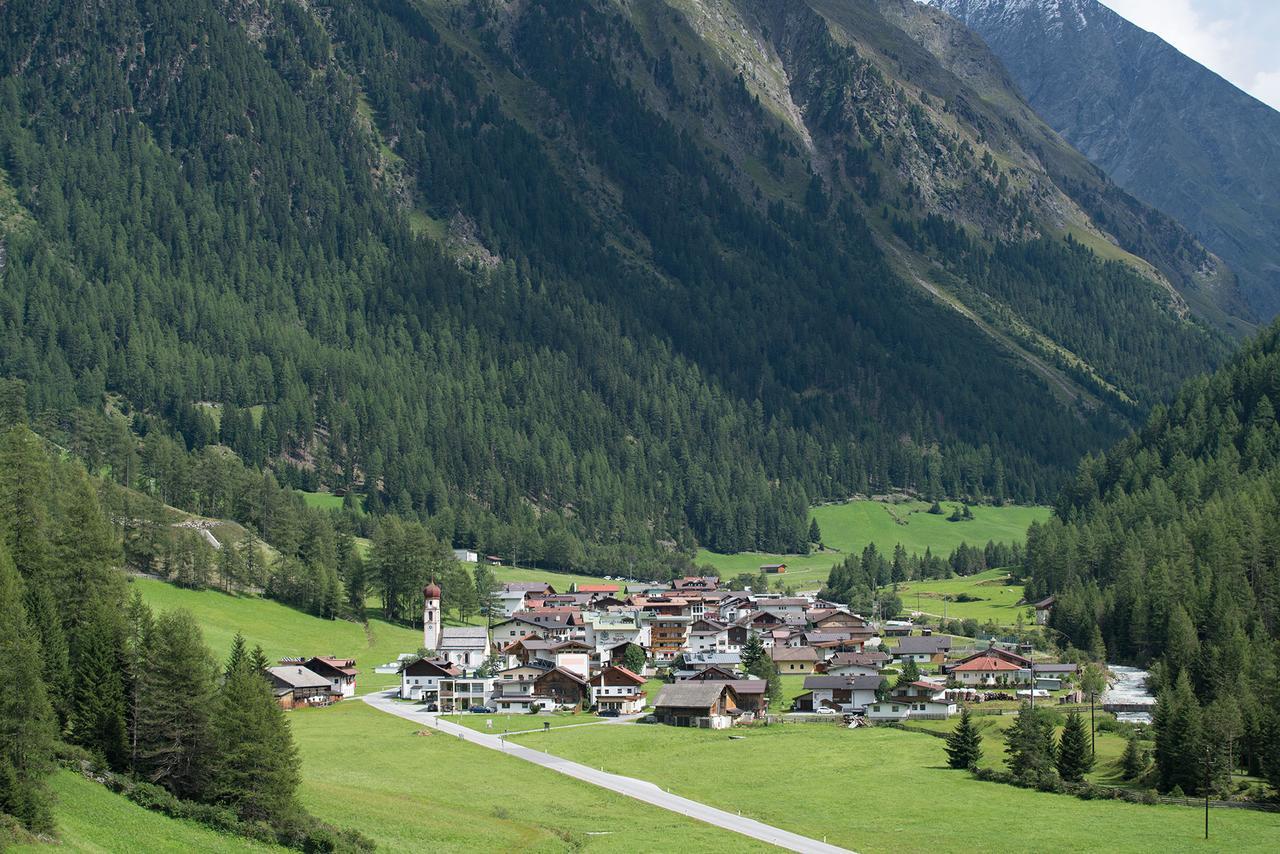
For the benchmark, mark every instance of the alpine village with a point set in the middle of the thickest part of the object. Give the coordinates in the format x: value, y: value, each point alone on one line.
x: 639, y: 426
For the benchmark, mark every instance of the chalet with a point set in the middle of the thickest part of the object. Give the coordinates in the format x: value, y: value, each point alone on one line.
x: 618, y: 689
x: 774, y: 568
x: 714, y: 673
x: 760, y: 621
x: 986, y: 670
x: 843, y: 640
x: 603, y: 632
x: 295, y: 685
x: 580, y: 601
x: 420, y: 678
x: 341, y: 673
x: 839, y: 692
x: 708, y: 636
x: 1043, y: 608
x: 788, y: 659
x: 668, y: 635
x: 855, y: 663
x: 550, y: 623
x: 734, y: 606
x: 752, y: 694
x: 466, y: 646
x: 563, y: 687
x: 704, y: 660
x: 993, y: 651
x: 931, y: 650
x: 898, y: 629
x: 711, y: 705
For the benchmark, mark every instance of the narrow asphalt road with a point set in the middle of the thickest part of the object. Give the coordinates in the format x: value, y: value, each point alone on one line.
x: 641, y: 790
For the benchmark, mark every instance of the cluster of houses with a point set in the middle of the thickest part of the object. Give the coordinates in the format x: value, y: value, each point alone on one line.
x: 550, y: 650
x: 317, y: 681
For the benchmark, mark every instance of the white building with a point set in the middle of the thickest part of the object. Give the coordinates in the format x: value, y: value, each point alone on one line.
x: 465, y: 646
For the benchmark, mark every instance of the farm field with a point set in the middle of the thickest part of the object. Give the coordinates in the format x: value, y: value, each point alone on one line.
x: 998, y: 601
x: 815, y: 772
x: 436, y: 793
x: 848, y: 528
x: 283, y: 631
x: 90, y: 818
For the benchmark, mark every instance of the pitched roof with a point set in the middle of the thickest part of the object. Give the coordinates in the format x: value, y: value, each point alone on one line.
x: 691, y: 694
x: 860, y: 659
x: 794, y: 653
x: 985, y: 663
x: 855, y: 683
x: 625, y: 673
x: 527, y: 587
x: 345, y: 666
x: 741, y: 686
x: 298, y: 677
x: 922, y: 646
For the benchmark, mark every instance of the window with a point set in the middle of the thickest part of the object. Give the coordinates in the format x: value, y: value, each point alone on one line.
x: 895, y: 708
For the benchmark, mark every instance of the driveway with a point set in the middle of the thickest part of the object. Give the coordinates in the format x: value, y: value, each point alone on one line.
x: 641, y: 790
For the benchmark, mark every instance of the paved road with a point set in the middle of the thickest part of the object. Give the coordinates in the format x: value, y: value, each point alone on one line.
x: 641, y: 790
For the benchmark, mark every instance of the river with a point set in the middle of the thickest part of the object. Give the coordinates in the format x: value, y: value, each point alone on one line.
x: 1129, y: 687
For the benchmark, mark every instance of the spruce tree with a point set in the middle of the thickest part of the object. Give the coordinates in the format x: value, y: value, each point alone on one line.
x: 1029, y: 744
x: 1177, y: 729
x: 27, y: 726
x: 97, y: 714
x: 1132, y: 763
x: 910, y: 672
x: 256, y: 772
x: 1074, y: 759
x: 815, y: 533
x: 139, y: 625
x: 173, y: 720
x: 964, y: 744
x: 752, y: 651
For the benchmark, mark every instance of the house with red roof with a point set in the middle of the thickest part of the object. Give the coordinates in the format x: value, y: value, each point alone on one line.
x: 985, y: 670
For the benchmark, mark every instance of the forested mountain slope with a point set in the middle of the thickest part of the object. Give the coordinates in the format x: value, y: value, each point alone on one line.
x: 1166, y: 549
x: 556, y: 276
x: 1167, y: 129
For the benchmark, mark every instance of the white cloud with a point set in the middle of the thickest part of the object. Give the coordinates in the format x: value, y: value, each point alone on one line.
x: 1235, y: 38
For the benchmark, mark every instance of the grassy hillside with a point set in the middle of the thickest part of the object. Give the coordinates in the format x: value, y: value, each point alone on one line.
x: 848, y: 528
x: 436, y: 793
x: 283, y: 631
x: 998, y: 601
x: 92, y: 819
x: 917, y: 805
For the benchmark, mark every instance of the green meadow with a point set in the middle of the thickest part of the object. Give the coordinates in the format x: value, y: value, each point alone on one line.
x: 848, y: 528
x: 282, y: 631
x: 885, y: 790
x: 412, y: 792
x: 92, y: 819
x: 996, y: 600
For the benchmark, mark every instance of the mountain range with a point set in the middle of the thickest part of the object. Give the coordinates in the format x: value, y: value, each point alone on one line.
x: 576, y: 274
x: 1162, y: 126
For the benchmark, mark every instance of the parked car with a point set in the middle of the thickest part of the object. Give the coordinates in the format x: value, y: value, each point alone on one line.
x: 482, y: 710
x: 609, y: 713
x: 825, y: 710
x: 433, y: 707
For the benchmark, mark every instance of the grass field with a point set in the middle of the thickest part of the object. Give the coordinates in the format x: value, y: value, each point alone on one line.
x: 559, y: 580
x: 282, y: 631
x: 998, y: 601
x: 368, y: 770
x: 327, y: 500
x: 92, y: 819
x: 521, y: 722
x: 848, y: 528
x: 884, y: 790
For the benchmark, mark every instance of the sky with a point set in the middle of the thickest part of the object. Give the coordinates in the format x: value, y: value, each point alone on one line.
x: 1239, y: 39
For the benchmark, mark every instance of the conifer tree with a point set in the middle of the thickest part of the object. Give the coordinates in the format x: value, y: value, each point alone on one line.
x: 964, y: 744
x: 1132, y: 763
x: 1177, y: 729
x: 752, y: 651
x: 1074, y: 759
x: 1029, y: 744
x: 910, y: 672
x: 256, y: 772
x: 815, y: 533
x: 139, y: 625
x: 97, y: 713
x: 177, y: 690
x: 27, y: 727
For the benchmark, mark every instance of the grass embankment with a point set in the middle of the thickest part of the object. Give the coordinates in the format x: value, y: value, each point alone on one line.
x: 282, y: 631
x: 848, y: 528
x: 91, y: 818
x: 884, y: 790
x: 368, y: 770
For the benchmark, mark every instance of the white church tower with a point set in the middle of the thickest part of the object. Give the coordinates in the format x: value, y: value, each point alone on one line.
x: 431, y: 616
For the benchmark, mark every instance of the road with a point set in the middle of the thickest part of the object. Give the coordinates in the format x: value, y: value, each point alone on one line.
x: 641, y: 790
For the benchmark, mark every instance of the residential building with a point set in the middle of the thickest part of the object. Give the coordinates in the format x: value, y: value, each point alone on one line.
x: 921, y: 650
x: 987, y: 670
x: 897, y: 708
x: 697, y: 704
x: 789, y: 659
x: 295, y: 685
x: 420, y: 679
x: 466, y: 556
x: 668, y: 635
x: 839, y: 692
x: 618, y: 689
x: 341, y: 673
